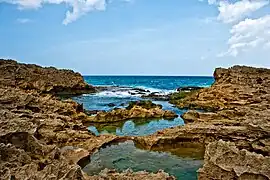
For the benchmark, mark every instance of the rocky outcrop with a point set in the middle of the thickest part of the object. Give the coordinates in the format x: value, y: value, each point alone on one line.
x: 42, y: 136
x: 33, y: 129
x: 223, y: 160
x: 239, y: 86
x: 135, y: 110
x: 236, y: 109
x: 45, y: 80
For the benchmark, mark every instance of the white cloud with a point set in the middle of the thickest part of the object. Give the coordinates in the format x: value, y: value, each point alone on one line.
x: 250, y: 33
x: 233, y: 12
x: 246, y: 33
x: 79, y: 7
x: 24, y: 20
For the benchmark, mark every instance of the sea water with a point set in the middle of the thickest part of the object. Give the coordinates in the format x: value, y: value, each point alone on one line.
x: 122, y: 92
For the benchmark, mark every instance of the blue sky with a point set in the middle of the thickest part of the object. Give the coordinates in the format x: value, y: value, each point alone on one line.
x: 157, y: 37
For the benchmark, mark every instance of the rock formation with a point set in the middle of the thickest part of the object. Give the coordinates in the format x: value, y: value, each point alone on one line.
x: 49, y: 79
x: 237, y: 109
x: 135, y: 110
x: 41, y: 136
x: 223, y: 160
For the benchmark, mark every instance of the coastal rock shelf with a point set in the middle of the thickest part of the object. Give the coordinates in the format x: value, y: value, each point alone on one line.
x: 240, y: 104
x: 49, y: 79
x: 43, y: 136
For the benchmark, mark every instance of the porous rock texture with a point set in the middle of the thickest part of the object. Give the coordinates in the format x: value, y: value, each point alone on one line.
x: 48, y: 79
x: 223, y: 160
x: 237, y: 109
x: 42, y: 136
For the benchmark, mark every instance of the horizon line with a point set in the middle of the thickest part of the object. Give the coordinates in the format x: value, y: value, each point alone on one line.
x: 148, y: 75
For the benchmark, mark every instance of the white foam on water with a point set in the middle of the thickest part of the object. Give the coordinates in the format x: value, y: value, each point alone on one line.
x: 125, y: 92
x: 156, y: 90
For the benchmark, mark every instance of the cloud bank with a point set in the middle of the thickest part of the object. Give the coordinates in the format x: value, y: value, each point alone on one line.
x: 246, y: 33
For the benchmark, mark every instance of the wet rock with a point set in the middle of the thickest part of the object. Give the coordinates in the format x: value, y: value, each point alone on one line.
x: 136, y: 109
x: 189, y: 88
x: 111, y: 105
x: 156, y: 96
x: 144, y: 104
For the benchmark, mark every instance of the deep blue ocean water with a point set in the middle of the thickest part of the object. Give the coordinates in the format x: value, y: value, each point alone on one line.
x: 155, y: 83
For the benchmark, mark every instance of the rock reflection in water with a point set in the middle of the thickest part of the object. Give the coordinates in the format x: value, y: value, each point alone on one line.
x: 126, y: 155
x: 138, y: 127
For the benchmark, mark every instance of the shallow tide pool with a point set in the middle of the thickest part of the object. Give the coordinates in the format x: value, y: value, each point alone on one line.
x: 126, y: 156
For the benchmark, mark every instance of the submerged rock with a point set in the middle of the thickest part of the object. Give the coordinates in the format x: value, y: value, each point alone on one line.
x: 156, y: 96
x: 135, y: 110
x: 189, y: 88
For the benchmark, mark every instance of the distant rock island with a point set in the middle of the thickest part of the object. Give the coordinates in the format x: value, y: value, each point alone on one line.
x: 43, y: 136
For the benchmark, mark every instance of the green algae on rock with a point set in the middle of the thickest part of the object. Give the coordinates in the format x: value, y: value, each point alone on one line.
x: 135, y: 110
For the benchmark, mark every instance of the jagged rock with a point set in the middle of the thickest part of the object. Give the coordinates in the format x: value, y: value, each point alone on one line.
x: 237, y: 109
x: 49, y: 79
x: 42, y: 136
x: 223, y: 160
x: 140, y: 109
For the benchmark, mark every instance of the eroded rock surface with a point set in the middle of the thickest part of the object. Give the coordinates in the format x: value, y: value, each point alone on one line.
x: 129, y: 174
x: 49, y: 79
x: 237, y: 109
x: 223, y: 160
x: 140, y: 109
x: 41, y: 136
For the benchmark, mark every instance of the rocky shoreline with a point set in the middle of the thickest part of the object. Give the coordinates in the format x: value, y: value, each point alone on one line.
x: 43, y: 137
x: 239, y: 102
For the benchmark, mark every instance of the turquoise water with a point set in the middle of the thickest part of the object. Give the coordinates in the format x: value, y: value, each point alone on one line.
x: 125, y: 155
x: 124, y: 92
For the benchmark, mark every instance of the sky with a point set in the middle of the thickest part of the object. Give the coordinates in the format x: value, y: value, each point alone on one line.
x: 136, y: 37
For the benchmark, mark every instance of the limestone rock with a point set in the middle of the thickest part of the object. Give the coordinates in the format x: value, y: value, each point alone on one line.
x: 223, y: 160
x: 141, y: 109
x: 49, y: 79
